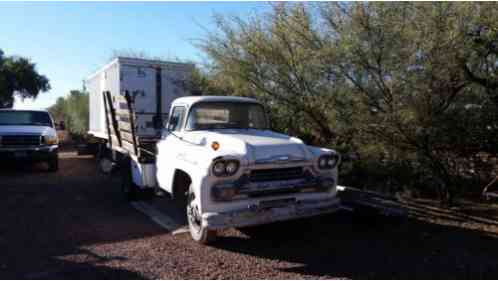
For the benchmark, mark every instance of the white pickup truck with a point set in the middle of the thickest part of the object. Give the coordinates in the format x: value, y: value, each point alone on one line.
x: 235, y: 171
x: 28, y: 136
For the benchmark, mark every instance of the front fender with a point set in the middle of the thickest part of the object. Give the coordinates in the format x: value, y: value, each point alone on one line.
x: 317, y: 152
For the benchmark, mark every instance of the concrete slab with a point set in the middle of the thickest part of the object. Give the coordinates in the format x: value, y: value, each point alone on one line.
x: 166, y: 212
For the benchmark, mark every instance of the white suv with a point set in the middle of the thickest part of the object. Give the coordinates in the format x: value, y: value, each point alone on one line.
x: 28, y: 136
x: 236, y: 172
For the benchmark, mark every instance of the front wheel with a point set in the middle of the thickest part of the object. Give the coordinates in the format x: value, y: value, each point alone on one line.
x: 53, y: 164
x: 198, y: 232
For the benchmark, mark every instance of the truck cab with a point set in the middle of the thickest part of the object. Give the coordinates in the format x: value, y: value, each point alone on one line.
x: 219, y: 154
x: 28, y: 136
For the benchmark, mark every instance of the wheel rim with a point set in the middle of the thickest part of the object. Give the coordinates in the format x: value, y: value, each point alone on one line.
x: 105, y: 165
x: 193, y: 216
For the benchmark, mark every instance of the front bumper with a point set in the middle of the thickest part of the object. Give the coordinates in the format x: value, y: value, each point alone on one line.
x: 257, y: 215
x: 31, y: 153
x: 245, y: 189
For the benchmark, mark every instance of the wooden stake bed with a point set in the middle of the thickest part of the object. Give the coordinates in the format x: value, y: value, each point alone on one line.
x: 121, y: 130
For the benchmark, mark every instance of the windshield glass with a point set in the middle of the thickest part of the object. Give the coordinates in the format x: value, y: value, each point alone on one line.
x: 33, y: 118
x: 226, y: 115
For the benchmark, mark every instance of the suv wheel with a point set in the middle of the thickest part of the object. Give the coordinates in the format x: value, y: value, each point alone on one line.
x: 198, y: 232
x: 53, y: 164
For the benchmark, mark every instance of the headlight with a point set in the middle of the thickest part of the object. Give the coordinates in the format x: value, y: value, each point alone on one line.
x: 219, y: 168
x: 51, y: 139
x: 231, y: 167
x: 222, y: 168
x: 328, y: 161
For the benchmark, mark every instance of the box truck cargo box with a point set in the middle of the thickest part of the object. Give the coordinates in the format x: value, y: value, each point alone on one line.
x: 153, y: 84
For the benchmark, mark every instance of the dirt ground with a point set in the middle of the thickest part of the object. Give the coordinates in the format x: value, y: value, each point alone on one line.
x: 74, y: 224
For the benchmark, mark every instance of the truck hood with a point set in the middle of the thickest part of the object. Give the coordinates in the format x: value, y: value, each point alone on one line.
x: 259, y: 146
x: 26, y: 130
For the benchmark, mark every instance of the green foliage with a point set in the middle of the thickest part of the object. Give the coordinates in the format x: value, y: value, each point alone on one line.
x: 481, y: 51
x: 73, y: 110
x: 18, y: 76
x: 407, y: 84
x: 278, y: 58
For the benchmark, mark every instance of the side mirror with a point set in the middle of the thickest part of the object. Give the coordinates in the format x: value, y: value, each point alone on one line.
x: 60, y: 126
x: 173, y: 121
x: 157, y: 121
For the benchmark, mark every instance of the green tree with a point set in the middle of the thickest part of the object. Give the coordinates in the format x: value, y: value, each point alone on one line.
x: 278, y: 58
x: 481, y: 53
x: 397, y: 82
x: 18, y: 76
x: 73, y: 110
x: 405, y: 60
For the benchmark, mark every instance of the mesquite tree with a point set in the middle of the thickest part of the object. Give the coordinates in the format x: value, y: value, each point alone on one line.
x: 395, y: 76
x: 18, y: 76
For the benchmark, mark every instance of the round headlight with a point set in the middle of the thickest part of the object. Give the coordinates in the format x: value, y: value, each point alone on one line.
x: 328, y: 161
x: 219, y: 168
x: 232, y: 167
x: 322, y: 162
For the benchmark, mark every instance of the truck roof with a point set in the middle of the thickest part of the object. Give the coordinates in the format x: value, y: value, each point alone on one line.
x: 190, y: 100
x: 142, y: 63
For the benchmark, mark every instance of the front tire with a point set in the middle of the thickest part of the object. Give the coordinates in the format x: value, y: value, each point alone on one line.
x: 53, y: 164
x: 198, y: 232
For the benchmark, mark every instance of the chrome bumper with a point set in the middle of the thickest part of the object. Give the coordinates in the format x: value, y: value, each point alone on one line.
x: 256, y: 215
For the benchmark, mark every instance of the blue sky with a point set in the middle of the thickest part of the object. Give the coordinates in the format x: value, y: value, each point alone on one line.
x: 68, y: 41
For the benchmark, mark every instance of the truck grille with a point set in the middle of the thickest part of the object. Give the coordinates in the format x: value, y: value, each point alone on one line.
x: 20, y: 140
x: 276, y: 174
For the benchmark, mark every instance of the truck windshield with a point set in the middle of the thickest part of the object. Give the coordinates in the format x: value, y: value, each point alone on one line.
x: 19, y: 118
x: 226, y: 115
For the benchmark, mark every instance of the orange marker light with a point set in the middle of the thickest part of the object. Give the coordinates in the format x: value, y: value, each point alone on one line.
x: 215, y: 145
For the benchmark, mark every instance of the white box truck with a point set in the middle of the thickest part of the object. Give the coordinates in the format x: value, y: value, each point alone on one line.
x: 130, y: 100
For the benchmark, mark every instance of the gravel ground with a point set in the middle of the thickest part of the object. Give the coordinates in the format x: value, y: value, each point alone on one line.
x: 74, y: 225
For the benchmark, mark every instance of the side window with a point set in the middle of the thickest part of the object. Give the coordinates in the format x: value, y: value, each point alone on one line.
x: 176, y: 119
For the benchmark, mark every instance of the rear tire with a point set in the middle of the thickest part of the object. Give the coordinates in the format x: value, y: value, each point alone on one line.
x: 128, y: 187
x: 53, y: 164
x: 199, y: 233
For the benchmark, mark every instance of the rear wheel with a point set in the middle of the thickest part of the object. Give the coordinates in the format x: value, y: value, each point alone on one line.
x: 128, y: 187
x: 53, y: 164
x: 198, y: 232
x: 105, y: 164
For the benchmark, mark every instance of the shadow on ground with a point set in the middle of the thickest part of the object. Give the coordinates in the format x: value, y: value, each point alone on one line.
x: 49, y: 219
x: 342, y: 245
x: 46, y: 216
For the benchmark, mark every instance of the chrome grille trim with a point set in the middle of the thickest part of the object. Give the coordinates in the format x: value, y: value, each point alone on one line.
x: 278, y: 174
